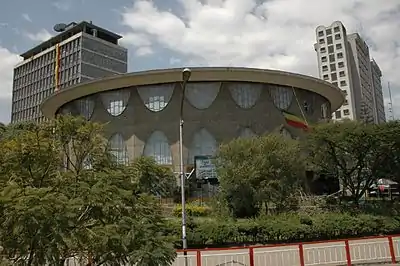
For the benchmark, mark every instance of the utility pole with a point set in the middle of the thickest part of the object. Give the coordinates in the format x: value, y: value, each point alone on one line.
x: 186, y: 73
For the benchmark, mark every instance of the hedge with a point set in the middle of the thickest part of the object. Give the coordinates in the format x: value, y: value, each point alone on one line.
x: 286, y: 228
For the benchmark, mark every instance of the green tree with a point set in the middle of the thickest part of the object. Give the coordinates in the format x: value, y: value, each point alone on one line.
x: 3, y: 129
x: 151, y: 178
x: 51, y: 211
x: 29, y: 165
x: 29, y: 155
x: 390, y: 145
x: 113, y: 223
x: 82, y: 144
x: 353, y: 152
x: 266, y: 170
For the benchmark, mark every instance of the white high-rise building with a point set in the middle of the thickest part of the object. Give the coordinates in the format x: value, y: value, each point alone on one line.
x: 344, y: 61
x: 379, y: 105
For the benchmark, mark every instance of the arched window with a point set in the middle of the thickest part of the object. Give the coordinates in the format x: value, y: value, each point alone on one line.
x: 156, y: 97
x: 157, y: 146
x: 65, y: 110
x: 245, y: 94
x: 203, y: 143
x: 282, y: 96
x: 115, y: 101
x: 87, y: 163
x: 117, y: 148
x: 85, y: 107
x: 246, y: 132
x: 202, y: 94
x: 324, y: 111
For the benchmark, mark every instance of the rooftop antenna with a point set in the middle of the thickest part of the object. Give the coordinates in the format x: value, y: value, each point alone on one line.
x: 60, y: 27
x: 360, y: 27
x: 390, y: 109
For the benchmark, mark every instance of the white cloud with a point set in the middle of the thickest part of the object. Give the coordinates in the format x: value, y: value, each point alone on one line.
x: 63, y: 5
x: 26, y: 17
x: 8, y: 60
x: 140, y: 42
x: 277, y: 34
x: 135, y: 39
x: 40, y: 36
x: 174, y: 61
x: 143, y: 51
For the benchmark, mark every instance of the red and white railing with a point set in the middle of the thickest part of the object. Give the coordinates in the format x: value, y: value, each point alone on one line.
x: 334, y: 252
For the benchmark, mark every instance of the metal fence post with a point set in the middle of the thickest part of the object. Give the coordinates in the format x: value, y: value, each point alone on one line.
x: 348, y: 254
x: 251, y: 256
x: 301, y: 254
x: 198, y: 258
x: 391, y: 248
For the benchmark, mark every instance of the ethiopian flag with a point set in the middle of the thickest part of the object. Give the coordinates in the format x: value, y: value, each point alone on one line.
x: 295, y: 121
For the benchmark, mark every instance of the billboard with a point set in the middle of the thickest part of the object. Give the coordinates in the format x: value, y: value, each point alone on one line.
x: 204, y: 167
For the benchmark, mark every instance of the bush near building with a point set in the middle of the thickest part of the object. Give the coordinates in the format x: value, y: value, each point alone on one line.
x: 282, y: 228
x: 266, y: 173
x: 193, y: 210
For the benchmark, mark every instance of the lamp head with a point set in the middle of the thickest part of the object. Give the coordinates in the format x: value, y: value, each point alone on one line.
x: 186, y: 73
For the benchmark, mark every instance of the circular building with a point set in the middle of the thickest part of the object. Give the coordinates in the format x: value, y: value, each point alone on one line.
x: 142, y: 109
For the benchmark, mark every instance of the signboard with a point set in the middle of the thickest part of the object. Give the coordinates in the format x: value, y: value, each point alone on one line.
x: 204, y: 167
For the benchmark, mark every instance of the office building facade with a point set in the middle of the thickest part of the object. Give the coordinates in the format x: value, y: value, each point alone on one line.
x: 344, y: 60
x: 376, y: 75
x: 79, y: 53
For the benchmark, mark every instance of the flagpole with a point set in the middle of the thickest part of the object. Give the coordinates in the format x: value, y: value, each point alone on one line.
x: 301, y: 109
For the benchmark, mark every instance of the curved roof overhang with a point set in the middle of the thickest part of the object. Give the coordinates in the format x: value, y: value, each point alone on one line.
x: 222, y: 74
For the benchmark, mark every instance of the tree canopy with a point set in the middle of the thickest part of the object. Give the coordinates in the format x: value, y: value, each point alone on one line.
x: 389, y: 134
x: 54, y: 206
x: 356, y: 153
x: 260, y: 171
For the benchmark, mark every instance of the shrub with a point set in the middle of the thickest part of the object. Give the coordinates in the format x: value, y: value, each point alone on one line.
x: 192, y: 210
x: 287, y: 228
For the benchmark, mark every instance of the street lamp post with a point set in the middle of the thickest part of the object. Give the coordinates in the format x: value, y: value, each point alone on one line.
x: 186, y: 73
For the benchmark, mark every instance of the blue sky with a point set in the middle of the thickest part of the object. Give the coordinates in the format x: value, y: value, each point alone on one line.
x: 277, y: 34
